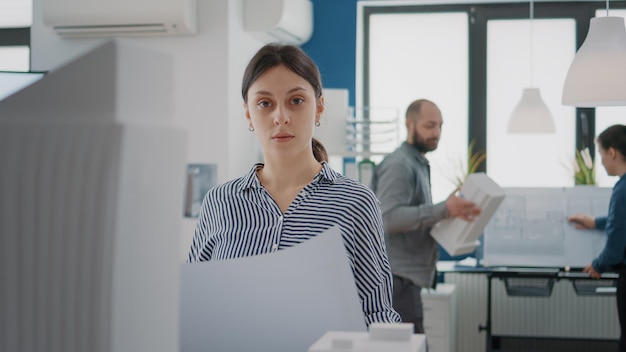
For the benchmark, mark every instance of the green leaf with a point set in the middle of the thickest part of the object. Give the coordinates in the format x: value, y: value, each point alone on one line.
x: 474, y: 159
x: 585, y: 175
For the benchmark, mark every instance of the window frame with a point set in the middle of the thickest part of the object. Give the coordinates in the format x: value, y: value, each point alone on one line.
x: 15, y: 36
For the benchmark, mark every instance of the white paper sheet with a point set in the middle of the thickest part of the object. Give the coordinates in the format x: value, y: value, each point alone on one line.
x: 282, y: 301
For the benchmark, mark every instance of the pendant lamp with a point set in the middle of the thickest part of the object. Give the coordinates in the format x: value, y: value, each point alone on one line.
x: 597, y: 75
x: 531, y: 115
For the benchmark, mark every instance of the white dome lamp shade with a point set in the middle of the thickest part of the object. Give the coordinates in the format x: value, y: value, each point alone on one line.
x: 597, y: 75
x: 531, y: 115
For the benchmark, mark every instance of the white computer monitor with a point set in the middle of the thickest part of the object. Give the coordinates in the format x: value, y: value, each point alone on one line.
x: 13, y: 81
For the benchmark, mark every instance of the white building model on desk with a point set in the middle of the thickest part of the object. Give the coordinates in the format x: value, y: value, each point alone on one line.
x: 458, y: 236
x: 382, y: 337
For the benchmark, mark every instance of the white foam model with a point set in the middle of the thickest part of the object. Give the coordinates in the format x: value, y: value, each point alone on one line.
x: 91, y: 184
x: 458, y: 236
x: 80, y: 18
x: 381, y: 337
x: 285, y: 21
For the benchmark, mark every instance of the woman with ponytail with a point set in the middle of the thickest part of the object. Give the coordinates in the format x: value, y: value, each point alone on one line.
x: 612, y: 147
x: 294, y: 194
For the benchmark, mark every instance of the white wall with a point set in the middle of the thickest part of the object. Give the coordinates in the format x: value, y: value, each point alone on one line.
x: 208, y: 68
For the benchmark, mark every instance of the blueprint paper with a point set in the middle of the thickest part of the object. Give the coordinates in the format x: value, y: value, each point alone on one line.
x: 531, y: 229
x: 283, y: 301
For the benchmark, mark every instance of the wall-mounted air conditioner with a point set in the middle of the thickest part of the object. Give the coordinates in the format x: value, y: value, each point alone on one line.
x: 284, y: 21
x: 81, y: 18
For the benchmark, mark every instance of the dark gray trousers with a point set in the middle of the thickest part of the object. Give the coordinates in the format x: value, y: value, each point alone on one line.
x: 407, y: 301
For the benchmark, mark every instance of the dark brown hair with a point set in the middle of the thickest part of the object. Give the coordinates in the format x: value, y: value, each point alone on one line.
x: 292, y: 57
x: 319, y: 152
x: 614, y: 137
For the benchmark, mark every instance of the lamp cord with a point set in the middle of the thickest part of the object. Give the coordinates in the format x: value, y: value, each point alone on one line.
x: 531, y: 43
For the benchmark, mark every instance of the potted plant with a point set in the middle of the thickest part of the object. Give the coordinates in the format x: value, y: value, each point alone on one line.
x: 584, y: 168
x: 474, y: 159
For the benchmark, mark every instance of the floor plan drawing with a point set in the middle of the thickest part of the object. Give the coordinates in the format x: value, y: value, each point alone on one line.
x: 530, y: 227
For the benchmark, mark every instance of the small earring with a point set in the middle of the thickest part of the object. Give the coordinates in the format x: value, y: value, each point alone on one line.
x: 317, y: 124
x: 250, y: 128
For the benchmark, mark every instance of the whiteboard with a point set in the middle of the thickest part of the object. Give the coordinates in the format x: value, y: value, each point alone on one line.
x: 530, y: 228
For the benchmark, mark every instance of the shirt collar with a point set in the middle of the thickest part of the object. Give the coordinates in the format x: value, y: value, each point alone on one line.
x: 251, y: 179
x: 327, y: 173
x: 414, y: 152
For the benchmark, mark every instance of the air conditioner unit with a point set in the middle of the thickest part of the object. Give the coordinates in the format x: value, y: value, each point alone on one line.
x: 83, y: 18
x: 283, y: 21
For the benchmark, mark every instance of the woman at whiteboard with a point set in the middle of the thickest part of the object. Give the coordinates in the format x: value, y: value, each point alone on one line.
x: 612, y: 147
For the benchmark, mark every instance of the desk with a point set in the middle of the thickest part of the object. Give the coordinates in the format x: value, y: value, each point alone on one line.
x: 541, y: 288
x: 533, y: 319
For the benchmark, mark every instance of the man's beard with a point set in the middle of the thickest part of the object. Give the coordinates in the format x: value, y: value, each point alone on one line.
x: 422, y: 145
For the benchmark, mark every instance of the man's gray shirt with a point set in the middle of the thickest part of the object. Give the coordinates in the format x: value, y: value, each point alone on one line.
x: 402, y: 184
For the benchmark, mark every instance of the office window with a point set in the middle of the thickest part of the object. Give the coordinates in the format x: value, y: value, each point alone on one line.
x: 14, y: 58
x: 15, y: 22
x: 524, y: 160
x: 605, y: 117
x: 16, y: 13
x: 411, y: 57
x: 496, y: 37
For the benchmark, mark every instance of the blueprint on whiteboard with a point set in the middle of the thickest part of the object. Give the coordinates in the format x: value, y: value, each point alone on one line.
x: 530, y: 227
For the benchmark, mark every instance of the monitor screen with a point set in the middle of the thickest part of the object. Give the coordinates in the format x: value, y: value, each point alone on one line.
x: 11, y: 82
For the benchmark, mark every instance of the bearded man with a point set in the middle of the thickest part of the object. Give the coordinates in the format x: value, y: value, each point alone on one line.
x: 402, y: 184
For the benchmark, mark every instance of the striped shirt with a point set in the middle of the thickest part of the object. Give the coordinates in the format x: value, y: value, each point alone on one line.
x: 239, y: 218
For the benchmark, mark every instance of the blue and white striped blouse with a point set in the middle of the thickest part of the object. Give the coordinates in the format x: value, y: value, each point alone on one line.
x: 239, y: 218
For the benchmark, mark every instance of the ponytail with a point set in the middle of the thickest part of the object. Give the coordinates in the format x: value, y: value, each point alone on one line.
x: 319, y: 152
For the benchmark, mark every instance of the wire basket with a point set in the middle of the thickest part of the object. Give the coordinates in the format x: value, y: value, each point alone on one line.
x: 592, y: 287
x: 534, y: 287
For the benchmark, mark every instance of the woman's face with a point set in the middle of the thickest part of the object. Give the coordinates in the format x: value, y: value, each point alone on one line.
x: 608, y: 158
x: 283, y: 110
